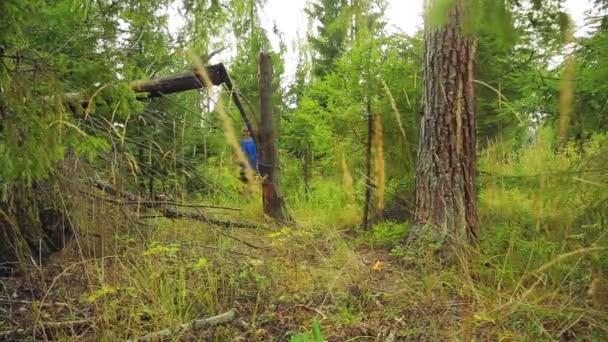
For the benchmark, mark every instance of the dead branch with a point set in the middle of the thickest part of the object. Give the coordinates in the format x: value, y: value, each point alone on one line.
x: 197, y: 324
x: 213, y: 53
x: 28, y: 302
x: 66, y: 324
x: 48, y: 325
x: 176, y: 204
x: 171, y: 213
x: 237, y: 239
x: 7, y: 333
x: 189, y: 244
x: 312, y: 309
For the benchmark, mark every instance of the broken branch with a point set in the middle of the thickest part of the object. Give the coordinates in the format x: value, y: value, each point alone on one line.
x: 176, y: 204
x: 194, y: 325
x: 168, y: 212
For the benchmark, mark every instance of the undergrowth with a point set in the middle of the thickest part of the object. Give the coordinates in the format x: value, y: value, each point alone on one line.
x: 537, y: 274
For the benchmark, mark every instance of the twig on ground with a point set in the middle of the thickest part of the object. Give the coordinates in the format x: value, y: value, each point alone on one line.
x: 66, y: 324
x: 312, y: 309
x: 28, y: 302
x: 56, y: 278
x: 197, y: 324
x: 47, y: 325
x: 176, y: 204
x: 12, y: 332
x: 237, y: 239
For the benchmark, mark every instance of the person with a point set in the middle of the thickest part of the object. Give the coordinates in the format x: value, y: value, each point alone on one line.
x: 250, y: 149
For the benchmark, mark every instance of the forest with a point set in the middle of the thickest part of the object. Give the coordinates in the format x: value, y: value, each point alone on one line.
x: 200, y: 183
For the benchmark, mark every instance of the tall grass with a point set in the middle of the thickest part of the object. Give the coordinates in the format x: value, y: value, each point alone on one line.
x: 538, y: 272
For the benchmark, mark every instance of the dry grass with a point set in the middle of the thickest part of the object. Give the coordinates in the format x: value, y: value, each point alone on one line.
x: 535, y: 276
x: 183, y: 270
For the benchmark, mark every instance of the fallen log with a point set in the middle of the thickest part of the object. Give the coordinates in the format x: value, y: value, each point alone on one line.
x: 197, y: 324
x: 180, y: 82
x: 177, y: 83
x: 158, y: 87
x: 218, y: 75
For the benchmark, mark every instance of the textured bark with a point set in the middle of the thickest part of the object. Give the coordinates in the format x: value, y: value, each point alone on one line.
x: 274, y: 205
x: 445, y: 178
x: 181, y: 82
x: 368, y: 168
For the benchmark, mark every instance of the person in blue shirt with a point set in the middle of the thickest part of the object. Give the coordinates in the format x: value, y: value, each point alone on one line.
x: 250, y: 149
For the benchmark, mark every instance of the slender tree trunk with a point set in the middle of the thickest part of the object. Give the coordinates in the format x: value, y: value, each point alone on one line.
x: 307, y: 166
x: 445, y: 178
x: 274, y: 205
x: 368, y: 167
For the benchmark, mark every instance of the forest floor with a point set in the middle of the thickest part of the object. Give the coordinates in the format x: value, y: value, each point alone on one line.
x: 279, y: 281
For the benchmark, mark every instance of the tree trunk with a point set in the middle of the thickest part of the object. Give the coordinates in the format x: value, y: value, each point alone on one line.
x: 307, y: 166
x: 445, y: 178
x: 274, y: 205
x: 368, y: 167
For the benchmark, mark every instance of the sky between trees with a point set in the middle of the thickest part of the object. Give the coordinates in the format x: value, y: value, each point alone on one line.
x: 290, y: 19
x: 405, y: 15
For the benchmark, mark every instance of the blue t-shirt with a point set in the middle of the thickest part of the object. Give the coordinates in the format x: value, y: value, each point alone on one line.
x: 248, y: 146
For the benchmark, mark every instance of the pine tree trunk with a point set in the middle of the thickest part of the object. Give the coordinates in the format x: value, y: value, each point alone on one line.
x: 274, y: 205
x: 368, y: 168
x: 307, y: 166
x: 445, y: 178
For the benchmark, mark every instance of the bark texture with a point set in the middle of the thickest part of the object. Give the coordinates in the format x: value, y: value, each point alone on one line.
x: 274, y: 204
x: 368, y: 168
x: 445, y: 178
x: 180, y: 82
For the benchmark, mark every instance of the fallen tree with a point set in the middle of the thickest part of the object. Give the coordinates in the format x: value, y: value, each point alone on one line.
x: 177, y: 83
x: 47, y: 226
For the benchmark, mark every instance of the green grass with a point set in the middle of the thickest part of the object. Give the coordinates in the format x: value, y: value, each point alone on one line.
x: 532, y: 277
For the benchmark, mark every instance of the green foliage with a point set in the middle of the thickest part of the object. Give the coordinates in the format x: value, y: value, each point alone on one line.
x: 539, y: 203
x: 543, y: 206
x: 386, y: 234
x: 333, y: 30
x: 330, y: 117
x: 438, y: 12
x: 314, y: 336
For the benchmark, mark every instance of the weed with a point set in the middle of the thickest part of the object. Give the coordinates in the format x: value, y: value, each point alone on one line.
x: 314, y: 336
